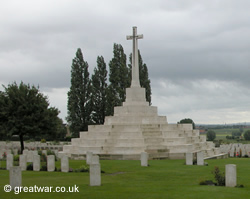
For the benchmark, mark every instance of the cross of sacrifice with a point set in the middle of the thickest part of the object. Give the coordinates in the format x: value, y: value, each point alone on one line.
x: 135, y: 62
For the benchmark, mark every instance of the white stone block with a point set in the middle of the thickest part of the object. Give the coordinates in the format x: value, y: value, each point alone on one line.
x: 200, y: 158
x: 95, y: 174
x: 15, y: 151
x: 65, y: 164
x: 189, y: 158
x: 232, y: 152
x: 25, y: 152
x: 23, y: 162
x: 95, y: 159
x: 44, y: 152
x: 231, y: 175
x: 144, y: 159
x: 89, y: 157
x: 15, y: 175
x: 51, y: 163
x: 30, y: 156
x: 36, y: 163
x: 9, y: 162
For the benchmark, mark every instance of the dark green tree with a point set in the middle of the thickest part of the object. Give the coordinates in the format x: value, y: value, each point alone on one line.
x: 118, y: 78
x: 99, y: 92
x: 187, y: 121
x: 247, y: 135
x: 24, y: 111
x: 79, y: 96
x: 211, y: 135
x: 143, y: 76
x: 236, y: 133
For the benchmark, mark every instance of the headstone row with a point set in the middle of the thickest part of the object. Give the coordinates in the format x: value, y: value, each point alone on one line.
x: 37, y: 162
x: 190, y: 158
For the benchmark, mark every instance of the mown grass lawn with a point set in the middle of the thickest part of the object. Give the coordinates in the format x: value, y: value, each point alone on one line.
x: 127, y: 179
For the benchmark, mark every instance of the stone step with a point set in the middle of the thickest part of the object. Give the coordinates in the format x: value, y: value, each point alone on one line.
x: 153, y: 140
x: 152, y: 133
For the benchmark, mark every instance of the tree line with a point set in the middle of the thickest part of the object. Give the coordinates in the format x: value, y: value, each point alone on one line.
x: 91, y: 98
x: 25, y: 113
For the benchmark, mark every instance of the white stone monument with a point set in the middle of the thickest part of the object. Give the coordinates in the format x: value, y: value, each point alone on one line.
x: 36, y: 163
x: 95, y: 174
x: 23, y: 162
x: 136, y: 127
x: 144, y: 159
x: 189, y: 158
x: 9, y: 162
x: 65, y: 164
x: 231, y: 175
x: 51, y: 163
x: 15, y: 175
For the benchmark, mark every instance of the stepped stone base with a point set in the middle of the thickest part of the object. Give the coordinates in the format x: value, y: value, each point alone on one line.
x: 135, y: 128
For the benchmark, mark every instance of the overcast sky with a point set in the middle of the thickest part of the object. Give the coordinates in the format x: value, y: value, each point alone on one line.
x: 197, y: 51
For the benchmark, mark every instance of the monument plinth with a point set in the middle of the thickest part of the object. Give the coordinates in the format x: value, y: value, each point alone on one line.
x: 136, y: 127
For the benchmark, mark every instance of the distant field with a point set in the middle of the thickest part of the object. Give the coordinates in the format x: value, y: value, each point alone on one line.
x: 222, y: 133
x: 127, y: 179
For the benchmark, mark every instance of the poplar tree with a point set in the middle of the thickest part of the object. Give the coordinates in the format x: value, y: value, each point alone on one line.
x: 118, y: 78
x: 79, y: 96
x: 99, y: 91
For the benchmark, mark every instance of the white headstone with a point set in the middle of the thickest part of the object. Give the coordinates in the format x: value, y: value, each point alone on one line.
x: 15, y: 177
x: 9, y: 161
x: 89, y: 157
x: 44, y: 152
x: 231, y: 175
x: 232, y: 152
x: 36, y: 163
x: 51, y: 163
x: 95, y: 174
x: 30, y: 156
x: 65, y: 164
x: 95, y: 159
x: 23, y: 162
x: 189, y: 158
x: 243, y: 151
x: 144, y: 159
x: 15, y: 151
x: 200, y: 158
x: 25, y: 152
x: 8, y: 152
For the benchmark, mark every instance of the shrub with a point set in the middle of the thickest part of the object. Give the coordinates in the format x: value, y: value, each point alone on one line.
x: 4, y: 155
x: 44, y: 168
x: 247, y: 135
x: 219, y: 177
x: 43, y: 140
x: 207, y: 182
x: 30, y: 167
x: 49, y: 152
x: 68, y: 138
x: 83, y: 168
x: 236, y: 133
x: 211, y: 135
x: 16, y: 158
x: 43, y: 158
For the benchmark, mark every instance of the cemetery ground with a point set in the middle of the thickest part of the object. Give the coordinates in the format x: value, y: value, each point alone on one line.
x: 127, y: 179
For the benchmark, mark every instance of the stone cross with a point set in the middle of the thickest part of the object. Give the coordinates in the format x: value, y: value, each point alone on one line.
x: 135, y: 65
